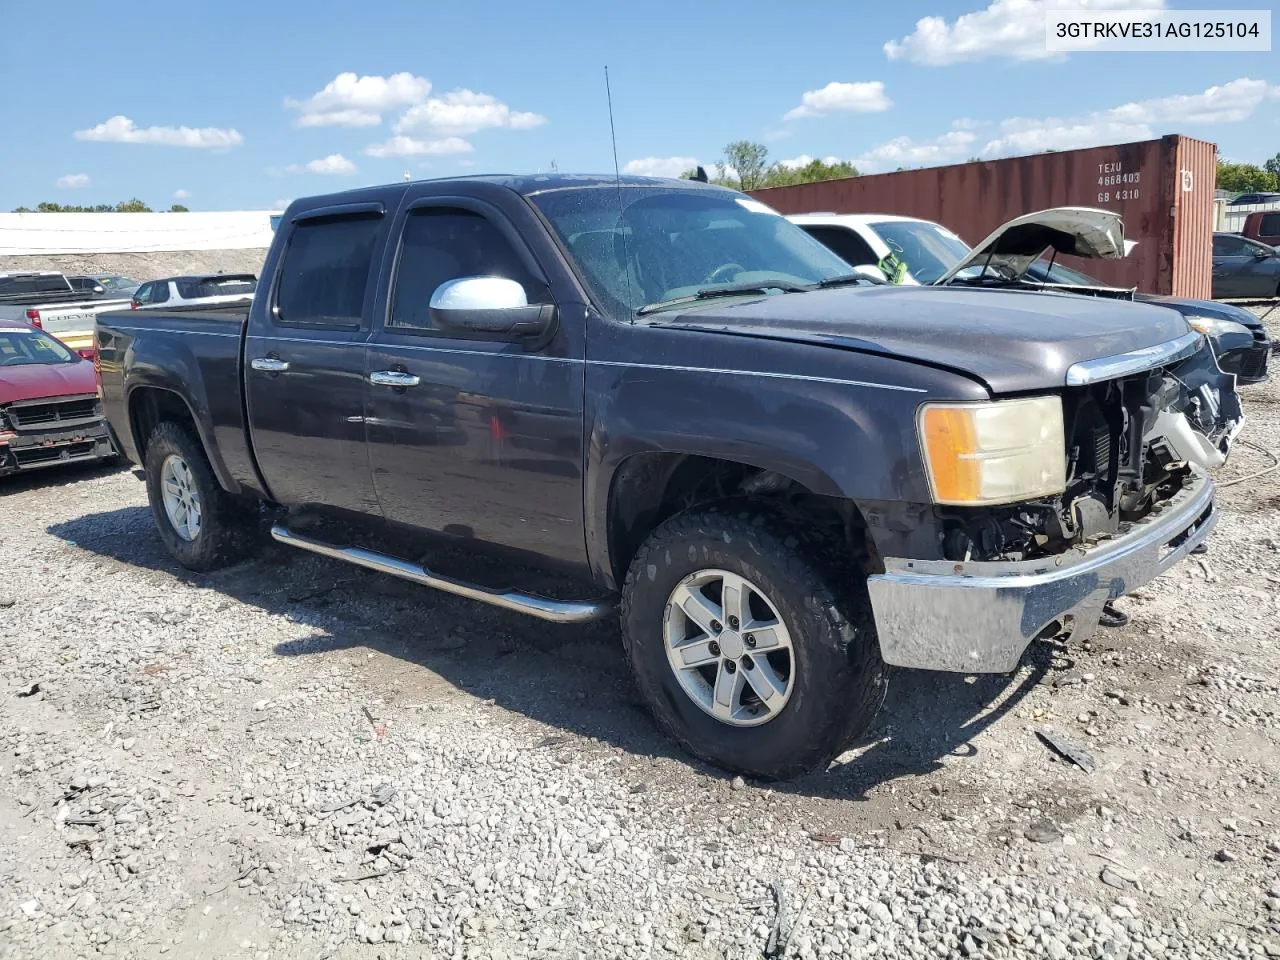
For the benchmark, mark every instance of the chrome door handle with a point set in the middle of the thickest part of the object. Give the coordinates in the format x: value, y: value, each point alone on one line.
x: 269, y: 364
x: 393, y: 378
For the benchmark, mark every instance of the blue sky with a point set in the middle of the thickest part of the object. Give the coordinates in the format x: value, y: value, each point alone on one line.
x: 233, y: 105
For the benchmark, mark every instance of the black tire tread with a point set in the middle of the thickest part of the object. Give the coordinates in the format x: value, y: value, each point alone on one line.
x: 230, y: 525
x: 812, y: 561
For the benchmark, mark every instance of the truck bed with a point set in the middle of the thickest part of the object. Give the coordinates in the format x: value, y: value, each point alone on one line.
x: 194, y: 355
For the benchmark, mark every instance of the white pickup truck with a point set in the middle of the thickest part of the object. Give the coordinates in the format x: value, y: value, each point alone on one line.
x: 46, y: 299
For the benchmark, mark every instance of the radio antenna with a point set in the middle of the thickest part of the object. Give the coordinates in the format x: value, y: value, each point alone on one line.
x: 617, y: 179
x: 613, y: 136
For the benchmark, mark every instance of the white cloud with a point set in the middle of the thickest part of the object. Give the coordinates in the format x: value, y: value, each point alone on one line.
x: 73, y: 181
x: 339, y: 118
x: 409, y: 147
x: 659, y: 166
x: 1007, y: 28
x: 795, y: 163
x: 333, y: 163
x: 282, y: 203
x: 865, y: 97
x: 1140, y: 120
x: 907, y: 152
x: 121, y: 129
x: 349, y: 100
x: 182, y: 195
x: 460, y: 112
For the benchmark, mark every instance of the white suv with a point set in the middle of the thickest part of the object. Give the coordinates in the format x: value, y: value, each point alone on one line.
x: 203, y: 289
x: 924, y: 249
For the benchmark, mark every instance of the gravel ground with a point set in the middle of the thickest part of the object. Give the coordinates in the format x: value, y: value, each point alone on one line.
x: 143, y: 266
x: 294, y: 758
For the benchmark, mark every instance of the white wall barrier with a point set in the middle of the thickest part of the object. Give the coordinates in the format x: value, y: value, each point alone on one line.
x: 37, y: 233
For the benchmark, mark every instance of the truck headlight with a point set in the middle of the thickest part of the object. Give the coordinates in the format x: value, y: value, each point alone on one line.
x: 999, y: 451
x: 1215, y: 326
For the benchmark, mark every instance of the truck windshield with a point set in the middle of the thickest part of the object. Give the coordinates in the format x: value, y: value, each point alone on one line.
x: 20, y: 348
x: 638, y: 245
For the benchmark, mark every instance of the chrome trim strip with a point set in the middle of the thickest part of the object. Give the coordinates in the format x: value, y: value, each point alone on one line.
x: 599, y: 363
x: 202, y: 333
x: 557, y: 611
x: 1135, y: 361
x: 759, y: 373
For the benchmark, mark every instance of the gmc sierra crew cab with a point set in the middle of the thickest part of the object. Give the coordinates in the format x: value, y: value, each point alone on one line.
x: 785, y: 477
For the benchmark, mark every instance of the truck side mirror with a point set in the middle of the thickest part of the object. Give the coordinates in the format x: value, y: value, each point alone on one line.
x: 490, y: 305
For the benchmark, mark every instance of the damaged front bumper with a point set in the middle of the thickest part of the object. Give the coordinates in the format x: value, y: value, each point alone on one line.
x: 979, y: 617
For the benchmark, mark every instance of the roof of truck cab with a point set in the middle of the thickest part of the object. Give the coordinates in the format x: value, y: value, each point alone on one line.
x: 524, y: 184
x: 851, y: 219
x: 199, y: 277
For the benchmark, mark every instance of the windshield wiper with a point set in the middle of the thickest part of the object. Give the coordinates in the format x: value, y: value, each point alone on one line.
x: 845, y: 279
x: 726, y: 290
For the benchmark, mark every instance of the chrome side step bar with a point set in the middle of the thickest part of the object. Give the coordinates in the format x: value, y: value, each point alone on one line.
x: 557, y: 611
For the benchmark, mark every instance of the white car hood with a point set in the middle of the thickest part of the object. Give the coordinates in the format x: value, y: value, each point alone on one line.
x: 1015, y: 245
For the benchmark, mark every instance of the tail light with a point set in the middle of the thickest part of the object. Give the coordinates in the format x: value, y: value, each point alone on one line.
x: 88, y: 353
x: 133, y: 304
x: 33, y: 317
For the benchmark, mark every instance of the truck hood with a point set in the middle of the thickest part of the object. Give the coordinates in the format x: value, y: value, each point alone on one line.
x: 1016, y: 244
x: 1011, y: 340
x: 36, y: 381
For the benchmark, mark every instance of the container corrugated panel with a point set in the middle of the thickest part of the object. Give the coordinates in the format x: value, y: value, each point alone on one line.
x: 1195, y: 176
x: 1142, y: 181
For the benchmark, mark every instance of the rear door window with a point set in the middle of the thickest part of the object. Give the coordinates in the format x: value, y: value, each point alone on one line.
x: 844, y: 243
x: 324, y: 274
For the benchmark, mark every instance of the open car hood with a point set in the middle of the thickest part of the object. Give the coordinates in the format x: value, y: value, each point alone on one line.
x: 1079, y: 231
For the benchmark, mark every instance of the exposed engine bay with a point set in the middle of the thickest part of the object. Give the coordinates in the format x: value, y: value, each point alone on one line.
x: 1132, y: 443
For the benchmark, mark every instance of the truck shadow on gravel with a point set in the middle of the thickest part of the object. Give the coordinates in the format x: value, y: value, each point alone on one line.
x: 571, y: 678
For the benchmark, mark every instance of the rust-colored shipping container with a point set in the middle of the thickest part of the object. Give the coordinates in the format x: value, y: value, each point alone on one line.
x: 1162, y: 188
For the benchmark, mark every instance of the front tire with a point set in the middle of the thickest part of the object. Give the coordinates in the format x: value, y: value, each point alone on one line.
x: 751, y: 640
x: 203, y: 526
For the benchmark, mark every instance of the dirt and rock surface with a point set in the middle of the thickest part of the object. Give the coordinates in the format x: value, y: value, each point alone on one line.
x: 142, y: 266
x: 294, y: 758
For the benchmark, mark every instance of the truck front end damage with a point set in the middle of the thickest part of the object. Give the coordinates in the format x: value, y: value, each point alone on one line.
x: 975, y: 585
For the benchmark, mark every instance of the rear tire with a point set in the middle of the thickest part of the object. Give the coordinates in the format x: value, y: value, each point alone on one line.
x: 203, y: 526
x: 829, y: 686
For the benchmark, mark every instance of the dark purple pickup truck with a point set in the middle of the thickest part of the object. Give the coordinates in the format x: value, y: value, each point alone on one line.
x: 785, y: 476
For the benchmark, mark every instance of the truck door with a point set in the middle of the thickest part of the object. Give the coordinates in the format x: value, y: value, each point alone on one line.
x: 474, y: 437
x: 305, y: 360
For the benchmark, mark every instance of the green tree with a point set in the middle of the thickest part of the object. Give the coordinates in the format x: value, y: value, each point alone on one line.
x: 1244, y: 177
x: 1272, y: 166
x: 815, y: 170
x: 746, y: 159
x: 130, y: 206
x: 778, y: 175
x: 178, y: 208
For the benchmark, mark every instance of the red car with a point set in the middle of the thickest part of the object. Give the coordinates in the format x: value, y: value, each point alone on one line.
x: 50, y: 411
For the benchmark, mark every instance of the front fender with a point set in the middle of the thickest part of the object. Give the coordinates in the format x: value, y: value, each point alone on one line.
x: 843, y: 424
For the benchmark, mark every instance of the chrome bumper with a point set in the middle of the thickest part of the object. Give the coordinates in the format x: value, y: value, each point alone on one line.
x: 980, y: 617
